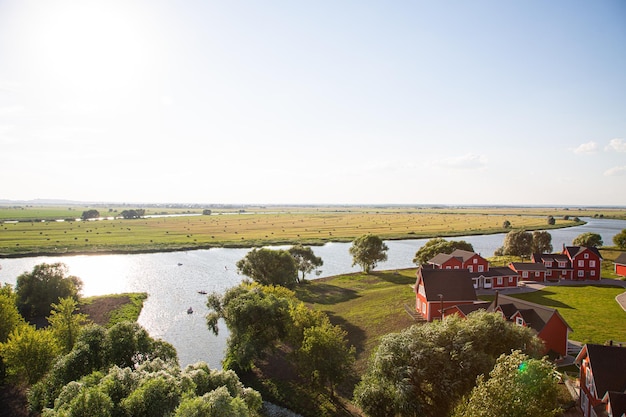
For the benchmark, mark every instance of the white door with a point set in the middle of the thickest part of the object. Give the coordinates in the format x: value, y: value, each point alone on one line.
x: 487, y: 282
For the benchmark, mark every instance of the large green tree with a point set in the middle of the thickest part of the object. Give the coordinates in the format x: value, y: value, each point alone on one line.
x: 257, y: 319
x: 542, y: 242
x: 620, y: 239
x: 66, y: 323
x: 29, y: 353
x: 367, y: 251
x: 44, y: 285
x: 269, y: 267
x: 518, y: 386
x: 10, y: 318
x: 426, y: 369
x: 325, y: 356
x: 516, y: 243
x: 588, y: 239
x: 305, y: 259
x: 439, y: 245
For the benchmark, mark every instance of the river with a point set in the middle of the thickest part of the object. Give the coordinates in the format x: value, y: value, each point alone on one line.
x: 173, y: 279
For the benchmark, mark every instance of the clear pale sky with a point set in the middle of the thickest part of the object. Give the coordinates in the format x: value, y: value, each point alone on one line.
x: 342, y: 102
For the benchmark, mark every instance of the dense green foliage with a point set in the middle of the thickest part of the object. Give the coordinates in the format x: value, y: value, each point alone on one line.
x: 157, y: 388
x: 66, y: 323
x: 516, y: 243
x: 588, y: 239
x: 541, y: 242
x: 367, y: 251
x: 261, y: 318
x: 305, y: 259
x: 439, y: 245
x: 90, y: 214
x: 46, y: 284
x: 29, y: 353
x: 269, y: 267
x: 518, y: 386
x: 10, y: 318
x: 426, y: 369
x: 620, y: 239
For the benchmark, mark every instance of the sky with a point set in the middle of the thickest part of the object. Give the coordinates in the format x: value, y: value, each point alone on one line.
x: 319, y: 102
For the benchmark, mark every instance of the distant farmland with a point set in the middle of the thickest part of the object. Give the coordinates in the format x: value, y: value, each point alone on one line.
x: 43, y: 235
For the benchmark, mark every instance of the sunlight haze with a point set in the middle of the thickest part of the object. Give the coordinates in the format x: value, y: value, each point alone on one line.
x: 329, y: 102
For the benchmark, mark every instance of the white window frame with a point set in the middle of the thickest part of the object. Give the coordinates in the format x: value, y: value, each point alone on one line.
x: 581, y: 263
x: 581, y: 274
x: 592, y: 264
x: 519, y: 321
x: 481, y: 268
x: 524, y: 274
x: 499, y: 280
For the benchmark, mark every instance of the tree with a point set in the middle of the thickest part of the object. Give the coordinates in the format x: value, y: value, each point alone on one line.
x: 518, y: 386
x: 28, y: 353
x: 551, y: 221
x: 588, y: 239
x: 325, y: 356
x: 305, y: 259
x: 439, y: 245
x: 269, y: 267
x: 367, y: 251
x: 10, y: 318
x: 506, y: 224
x: 133, y: 214
x: 46, y: 284
x: 517, y: 243
x: 542, y: 242
x: 90, y: 214
x: 65, y: 323
x: 620, y: 239
x: 256, y: 318
x: 206, y: 212
x: 426, y: 369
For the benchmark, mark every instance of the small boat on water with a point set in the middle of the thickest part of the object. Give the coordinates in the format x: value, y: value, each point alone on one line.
x: 190, y: 310
x: 179, y: 264
x: 202, y: 292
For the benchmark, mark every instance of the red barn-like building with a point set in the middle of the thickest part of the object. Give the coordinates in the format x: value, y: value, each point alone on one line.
x: 620, y: 264
x: 438, y: 289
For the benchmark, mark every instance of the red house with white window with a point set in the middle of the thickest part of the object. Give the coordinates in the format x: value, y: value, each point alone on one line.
x: 546, y: 321
x: 495, y: 278
x: 529, y: 271
x: 574, y: 263
x: 438, y: 289
x: 620, y: 265
x: 602, y: 380
x: 586, y: 261
x: 460, y: 259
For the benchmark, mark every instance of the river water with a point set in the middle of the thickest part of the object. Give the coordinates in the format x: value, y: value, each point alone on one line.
x: 173, y: 279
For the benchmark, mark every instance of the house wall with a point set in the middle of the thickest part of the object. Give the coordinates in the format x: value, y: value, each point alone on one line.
x: 475, y: 262
x: 554, y: 335
x: 506, y: 282
x: 620, y: 270
x: 583, y: 268
x: 452, y: 263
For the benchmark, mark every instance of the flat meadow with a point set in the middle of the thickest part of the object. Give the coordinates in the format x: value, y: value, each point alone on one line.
x: 40, y: 230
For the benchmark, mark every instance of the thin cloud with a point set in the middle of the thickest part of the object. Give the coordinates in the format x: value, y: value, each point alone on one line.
x: 615, y: 171
x: 617, y: 144
x: 469, y: 161
x: 587, y: 148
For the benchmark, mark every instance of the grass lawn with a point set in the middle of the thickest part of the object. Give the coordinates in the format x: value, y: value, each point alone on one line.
x: 590, y: 310
x: 107, y: 310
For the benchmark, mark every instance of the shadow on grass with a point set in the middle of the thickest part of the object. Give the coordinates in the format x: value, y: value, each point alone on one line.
x: 395, y: 277
x: 541, y: 297
x: 356, y: 335
x: 324, y: 294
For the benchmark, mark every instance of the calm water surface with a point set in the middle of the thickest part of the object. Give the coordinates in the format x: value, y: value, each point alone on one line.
x: 173, y: 279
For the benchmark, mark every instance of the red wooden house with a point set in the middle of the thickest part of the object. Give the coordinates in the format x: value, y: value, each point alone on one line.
x: 437, y: 289
x: 529, y: 271
x: 495, y: 278
x: 547, y: 322
x: 460, y: 259
x: 574, y: 263
x: 620, y: 265
x: 586, y: 261
x: 602, y: 380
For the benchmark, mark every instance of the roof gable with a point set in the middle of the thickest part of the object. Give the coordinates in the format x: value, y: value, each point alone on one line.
x: 575, y: 251
x: 608, y: 366
x: 535, y: 315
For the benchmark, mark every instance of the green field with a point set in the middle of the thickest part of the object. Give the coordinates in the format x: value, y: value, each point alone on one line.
x: 244, y: 229
x: 590, y: 310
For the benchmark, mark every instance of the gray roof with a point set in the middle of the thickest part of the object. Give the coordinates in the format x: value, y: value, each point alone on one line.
x: 453, y: 284
x: 608, y: 364
x: 535, y: 315
x: 621, y: 259
x: 528, y: 266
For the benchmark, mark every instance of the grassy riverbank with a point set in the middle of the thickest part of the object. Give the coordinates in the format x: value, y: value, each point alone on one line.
x: 311, y: 226
x: 107, y: 310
